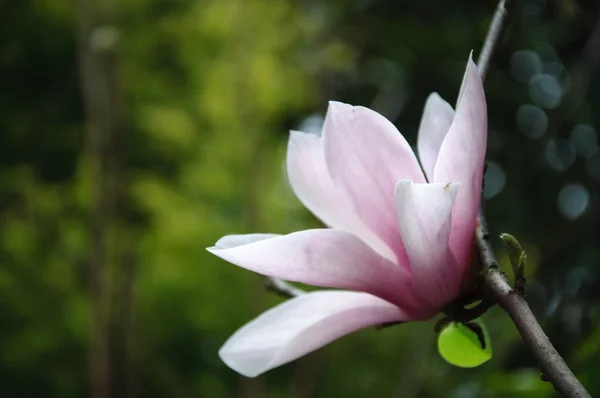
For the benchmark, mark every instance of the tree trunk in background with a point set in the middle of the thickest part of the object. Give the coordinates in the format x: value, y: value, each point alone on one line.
x: 122, y: 358
x: 124, y: 361
x: 102, y: 95
x: 97, y: 135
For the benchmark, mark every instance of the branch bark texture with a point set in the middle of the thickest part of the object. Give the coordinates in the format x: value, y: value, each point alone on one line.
x: 552, y: 364
x: 497, y: 287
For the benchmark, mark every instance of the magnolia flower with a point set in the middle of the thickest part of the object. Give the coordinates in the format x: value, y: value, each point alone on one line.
x: 400, y: 234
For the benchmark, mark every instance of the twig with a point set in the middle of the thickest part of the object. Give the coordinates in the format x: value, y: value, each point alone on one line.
x: 553, y: 366
x: 282, y: 287
x: 493, y: 37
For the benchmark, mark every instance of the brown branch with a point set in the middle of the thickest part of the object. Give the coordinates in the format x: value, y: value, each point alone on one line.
x: 494, y: 34
x: 552, y: 364
x: 495, y: 284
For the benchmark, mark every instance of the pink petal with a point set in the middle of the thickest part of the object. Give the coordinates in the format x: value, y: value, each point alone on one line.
x: 435, y: 122
x: 461, y: 159
x: 327, y: 258
x: 312, y: 184
x: 425, y: 222
x: 366, y: 155
x: 301, y: 325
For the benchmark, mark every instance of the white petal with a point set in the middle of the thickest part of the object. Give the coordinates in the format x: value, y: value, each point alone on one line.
x: 461, y: 158
x: 229, y: 241
x: 366, y: 155
x: 435, y: 122
x: 301, y: 325
x: 425, y: 221
x: 326, y: 258
x: 312, y: 184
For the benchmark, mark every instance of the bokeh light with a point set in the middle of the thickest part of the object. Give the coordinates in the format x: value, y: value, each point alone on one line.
x: 573, y: 201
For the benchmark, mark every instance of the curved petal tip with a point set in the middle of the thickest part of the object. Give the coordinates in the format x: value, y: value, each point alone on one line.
x: 301, y: 325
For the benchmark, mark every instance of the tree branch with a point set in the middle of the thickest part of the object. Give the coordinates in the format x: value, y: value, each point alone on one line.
x: 495, y: 284
x: 552, y: 364
x: 492, y: 38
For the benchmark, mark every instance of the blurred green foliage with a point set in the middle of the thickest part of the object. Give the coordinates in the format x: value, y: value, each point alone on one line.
x: 210, y: 89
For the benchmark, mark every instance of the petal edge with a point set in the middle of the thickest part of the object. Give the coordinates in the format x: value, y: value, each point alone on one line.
x: 301, y: 325
x: 326, y: 258
x: 467, y: 137
x: 425, y: 222
x: 435, y: 123
x: 366, y: 155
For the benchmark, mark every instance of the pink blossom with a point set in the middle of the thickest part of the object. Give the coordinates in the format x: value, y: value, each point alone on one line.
x: 400, y: 234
